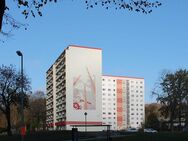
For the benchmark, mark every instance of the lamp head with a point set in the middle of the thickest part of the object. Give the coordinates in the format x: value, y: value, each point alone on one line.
x: 19, y: 53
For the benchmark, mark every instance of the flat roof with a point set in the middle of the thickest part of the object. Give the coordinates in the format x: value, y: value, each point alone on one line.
x: 85, y: 47
x: 90, y: 125
x: 123, y: 76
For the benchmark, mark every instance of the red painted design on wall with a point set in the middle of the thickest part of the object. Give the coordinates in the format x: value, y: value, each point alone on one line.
x: 119, y: 104
x: 84, y: 92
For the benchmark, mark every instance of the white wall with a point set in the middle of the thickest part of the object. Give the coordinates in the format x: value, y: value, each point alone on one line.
x: 80, y: 83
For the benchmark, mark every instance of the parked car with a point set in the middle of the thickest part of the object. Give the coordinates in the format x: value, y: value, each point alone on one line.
x: 132, y: 130
x: 185, y: 129
x: 150, y: 130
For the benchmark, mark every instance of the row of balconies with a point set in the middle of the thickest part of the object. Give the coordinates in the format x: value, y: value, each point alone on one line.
x: 49, y: 77
x: 60, y: 115
x: 61, y: 99
x: 49, y: 83
x: 49, y: 91
x: 60, y: 88
x: 48, y: 113
x: 60, y: 75
x: 49, y: 100
x: 60, y: 83
x: 49, y: 94
x: 60, y: 78
x: 49, y: 118
x: 60, y: 95
x: 60, y: 108
x: 50, y: 106
x: 58, y: 69
x: 61, y: 102
x: 49, y: 88
x: 61, y: 119
x: 60, y: 60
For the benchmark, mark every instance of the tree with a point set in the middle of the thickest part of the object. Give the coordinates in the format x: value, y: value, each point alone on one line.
x: 152, y: 116
x: 10, y: 89
x: 36, y: 115
x: 31, y: 7
x: 173, y: 96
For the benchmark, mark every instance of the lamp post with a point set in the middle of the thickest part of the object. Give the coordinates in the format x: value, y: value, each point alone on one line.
x: 85, y: 114
x: 19, y: 53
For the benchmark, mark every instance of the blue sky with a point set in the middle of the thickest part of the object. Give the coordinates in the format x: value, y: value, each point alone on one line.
x: 133, y: 44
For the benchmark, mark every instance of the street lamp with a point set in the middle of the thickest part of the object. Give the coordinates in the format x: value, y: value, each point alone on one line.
x: 85, y: 121
x: 19, y: 53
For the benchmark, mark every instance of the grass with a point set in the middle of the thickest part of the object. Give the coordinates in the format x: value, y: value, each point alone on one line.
x: 66, y: 135
x: 151, y: 137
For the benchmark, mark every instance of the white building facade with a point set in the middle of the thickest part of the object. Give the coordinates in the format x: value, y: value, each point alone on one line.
x: 123, y: 102
x: 74, y: 87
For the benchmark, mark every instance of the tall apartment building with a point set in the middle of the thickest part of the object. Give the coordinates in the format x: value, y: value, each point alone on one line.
x: 123, y: 102
x: 74, y: 87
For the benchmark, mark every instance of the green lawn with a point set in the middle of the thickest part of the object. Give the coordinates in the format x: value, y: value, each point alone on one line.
x: 66, y: 135
x: 151, y: 137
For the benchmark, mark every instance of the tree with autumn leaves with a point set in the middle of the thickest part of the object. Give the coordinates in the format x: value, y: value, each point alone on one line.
x: 172, y: 94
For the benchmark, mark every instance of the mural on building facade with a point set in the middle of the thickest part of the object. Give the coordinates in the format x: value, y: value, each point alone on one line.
x: 84, y: 92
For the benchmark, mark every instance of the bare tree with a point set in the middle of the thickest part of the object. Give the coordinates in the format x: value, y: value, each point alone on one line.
x: 34, y: 7
x: 10, y: 84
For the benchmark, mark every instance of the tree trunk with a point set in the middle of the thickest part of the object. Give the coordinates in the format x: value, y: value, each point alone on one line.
x: 171, y: 121
x: 2, y: 10
x: 9, y: 132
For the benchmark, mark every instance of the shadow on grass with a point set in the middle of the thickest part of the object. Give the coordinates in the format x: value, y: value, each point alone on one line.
x: 66, y: 135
